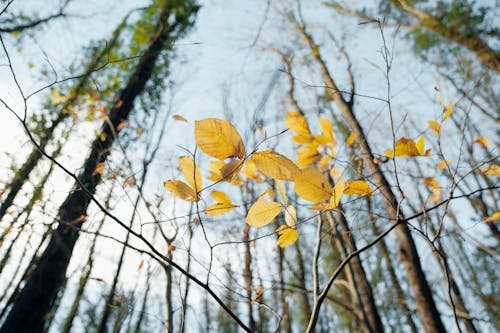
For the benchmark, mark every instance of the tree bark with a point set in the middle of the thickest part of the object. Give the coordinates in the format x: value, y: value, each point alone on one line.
x: 34, y: 302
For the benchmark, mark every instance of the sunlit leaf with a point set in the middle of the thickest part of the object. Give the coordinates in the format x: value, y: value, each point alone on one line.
x: 324, y: 161
x: 191, y: 172
x: 307, y: 155
x: 180, y: 190
x: 230, y: 171
x: 327, y: 129
x: 99, y: 169
x: 250, y: 171
x: 214, y: 169
x: 258, y: 294
x: 435, y: 126
x: 359, y: 187
x: 287, y: 236
x: 281, y: 189
x: 408, y: 147
x: 338, y: 191
x: 291, y: 216
x: 262, y: 213
x: 312, y: 185
x: 482, y: 141
x: 275, y: 165
x: 218, y: 138
x: 296, y: 123
x: 492, y: 218
x: 179, y: 118
x: 223, y: 204
x: 492, y: 170
x: 434, y: 187
x: 448, y: 111
x: 443, y: 164
x: 350, y: 140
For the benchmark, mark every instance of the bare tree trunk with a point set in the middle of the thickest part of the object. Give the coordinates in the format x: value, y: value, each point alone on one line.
x: 408, y: 254
x: 27, y: 314
x: 22, y: 174
x: 247, y: 277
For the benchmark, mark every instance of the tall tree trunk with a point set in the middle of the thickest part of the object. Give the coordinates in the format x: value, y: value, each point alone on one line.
x: 22, y: 174
x: 27, y: 314
x: 248, y: 277
x: 407, y: 252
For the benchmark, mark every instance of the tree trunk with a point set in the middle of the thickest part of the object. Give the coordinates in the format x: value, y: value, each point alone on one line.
x: 28, y: 313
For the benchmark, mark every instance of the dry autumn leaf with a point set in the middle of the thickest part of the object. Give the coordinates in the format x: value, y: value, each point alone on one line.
x: 312, y: 185
x: 180, y: 190
x: 448, y: 111
x: 408, y: 147
x: 222, y: 206
x: 492, y: 170
x: 435, y: 126
x: 275, y: 165
x: 482, y: 141
x: 191, y: 172
x: 338, y: 191
x: 99, y: 169
x: 359, y: 187
x: 262, y: 213
x: 258, y: 294
x: 350, y: 140
x: 296, y: 123
x: 179, y: 118
x: 443, y: 164
x: 218, y: 138
x: 282, y: 191
x: 287, y: 236
x: 307, y: 155
x: 291, y: 216
x: 492, y: 218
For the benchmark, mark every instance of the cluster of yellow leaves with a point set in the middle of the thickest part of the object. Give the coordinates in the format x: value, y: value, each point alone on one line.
x: 434, y: 187
x: 219, y: 139
x: 408, y: 147
x: 492, y: 170
x: 311, y: 145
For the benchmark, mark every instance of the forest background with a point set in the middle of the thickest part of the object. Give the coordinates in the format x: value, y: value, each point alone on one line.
x: 351, y: 147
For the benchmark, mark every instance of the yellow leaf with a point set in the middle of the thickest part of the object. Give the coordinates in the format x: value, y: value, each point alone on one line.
x: 230, y: 171
x: 191, y: 172
x: 179, y: 118
x: 324, y: 161
x: 435, y: 126
x: 307, y: 155
x: 296, y: 123
x: 482, y: 141
x: 141, y: 264
x: 336, y: 173
x: 448, y: 111
x: 492, y: 218
x: 338, y: 190
x: 312, y: 185
x: 31, y: 65
x: 291, y: 216
x: 350, y: 140
x: 99, y: 169
x: 262, y: 213
x: 443, y: 164
x: 275, y: 165
x: 327, y: 129
x: 218, y: 138
x: 281, y: 189
x: 180, y: 190
x: 492, y: 170
x: 250, y: 171
x: 269, y: 192
x: 287, y: 236
x: 407, y: 147
x: 223, y: 204
x: 436, y: 194
x: 434, y: 187
x: 214, y: 169
x: 359, y: 187
x: 140, y: 131
x: 258, y: 294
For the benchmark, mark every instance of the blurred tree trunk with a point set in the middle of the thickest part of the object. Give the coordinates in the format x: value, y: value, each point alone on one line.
x: 33, y: 304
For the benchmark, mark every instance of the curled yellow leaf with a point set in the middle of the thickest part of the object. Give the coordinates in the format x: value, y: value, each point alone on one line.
x: 287, y: 236
x: 262, y: 213
x: 282, y: 191
x: 222, y: 206
x: 407, y: 147
x: 307, y: 155
x: 448, y: 111
x: 297, y: 123
x: 312, y: 185
x: 492, y: 218
x: 179, y: 118
x: 218, y: 138
x: 338, y: 191
x: 350, y: 140
x: 291, y: 216
x: 482, y: 141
